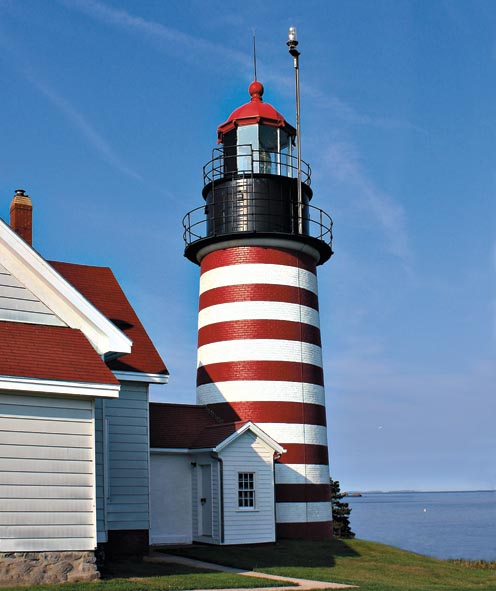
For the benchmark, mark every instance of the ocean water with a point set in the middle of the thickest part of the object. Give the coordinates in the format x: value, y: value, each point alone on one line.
x: 438, y: 524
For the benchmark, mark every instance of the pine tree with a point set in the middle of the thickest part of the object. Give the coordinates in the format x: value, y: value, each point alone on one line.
x: 340, y: 512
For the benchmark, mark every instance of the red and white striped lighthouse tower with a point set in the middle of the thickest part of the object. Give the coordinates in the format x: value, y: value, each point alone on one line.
x: 258, y: 242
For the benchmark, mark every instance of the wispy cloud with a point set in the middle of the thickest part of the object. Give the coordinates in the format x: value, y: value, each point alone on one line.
x: 342, y: 158
x: 342, y: 161
x: 81, y: 123
x: 190, y: 47
x: 93, y: 137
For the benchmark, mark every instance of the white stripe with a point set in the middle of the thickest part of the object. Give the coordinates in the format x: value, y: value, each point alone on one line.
x: 303, y: 512
x: 258, y: 273
x: 258, y: 311
x: 254, y: 390
x: 295, y: 433
x: 302, y: 474
x: 260, y: 350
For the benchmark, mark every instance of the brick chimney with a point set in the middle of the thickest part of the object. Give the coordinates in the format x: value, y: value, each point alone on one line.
x: 21, y: 215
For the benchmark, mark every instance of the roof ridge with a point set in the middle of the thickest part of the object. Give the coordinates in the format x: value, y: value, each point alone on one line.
x: 79, y: 264
x: 180, y: 404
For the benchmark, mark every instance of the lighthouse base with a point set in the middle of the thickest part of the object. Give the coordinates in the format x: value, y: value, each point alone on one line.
x: 319, y: 530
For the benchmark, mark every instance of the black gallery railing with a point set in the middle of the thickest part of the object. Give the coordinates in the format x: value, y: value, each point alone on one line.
x: 254, y: 215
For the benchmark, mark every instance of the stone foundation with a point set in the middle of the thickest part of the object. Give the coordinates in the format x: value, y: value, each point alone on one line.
x: 36, y: 568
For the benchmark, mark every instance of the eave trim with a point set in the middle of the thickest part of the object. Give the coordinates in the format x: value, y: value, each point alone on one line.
x: 137, y: 376
x: 249, y: 426
x: 21, y: 384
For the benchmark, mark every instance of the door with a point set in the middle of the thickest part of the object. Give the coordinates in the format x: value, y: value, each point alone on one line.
x: 206, y: 499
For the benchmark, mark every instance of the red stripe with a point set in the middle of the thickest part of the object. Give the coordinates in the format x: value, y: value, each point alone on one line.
x: 271, y: 412
x: 286, y: 371
x: 258, y: 292
x: 303, y: 493
x: 258, y: 329
x: 257, y: 254
x: 318, y: 530
x: 304, y: 453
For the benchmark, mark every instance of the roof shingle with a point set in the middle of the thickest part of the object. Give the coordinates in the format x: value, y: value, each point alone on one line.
x: 51, y: 353
x: 100, y: 287
x: 187, y: 426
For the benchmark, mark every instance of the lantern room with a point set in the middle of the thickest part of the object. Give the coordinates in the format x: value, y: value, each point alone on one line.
x: 256, y: 138
x: 251, y: 187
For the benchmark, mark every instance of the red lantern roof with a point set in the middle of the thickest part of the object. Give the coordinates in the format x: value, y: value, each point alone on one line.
x: 254, y: 112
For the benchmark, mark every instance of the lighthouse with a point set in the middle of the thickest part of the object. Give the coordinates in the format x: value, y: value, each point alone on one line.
x: 258, y: 241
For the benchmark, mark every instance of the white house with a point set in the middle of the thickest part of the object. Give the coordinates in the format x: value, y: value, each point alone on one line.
x: 211, y: 482
x: 75, y: 365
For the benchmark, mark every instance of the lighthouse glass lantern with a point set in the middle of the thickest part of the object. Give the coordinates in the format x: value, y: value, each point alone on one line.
x: 251, y: 183
x: 258, y: 241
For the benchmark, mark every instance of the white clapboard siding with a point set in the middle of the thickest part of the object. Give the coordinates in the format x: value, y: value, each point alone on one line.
x: 44, y: 505
x: 36, y: 411
x: 45, y: 403
x: 50, y: 518
x: 45, y: 452
x: 47, y: 492
x: 36, y: 465
x: 47, y: 472
x: 216, y: 516
x: 50, y: 479
x: 248, y: 454
x: 125, y: 498
x: 19, y: 304
x: 45, y: 439
x: 42, y: 425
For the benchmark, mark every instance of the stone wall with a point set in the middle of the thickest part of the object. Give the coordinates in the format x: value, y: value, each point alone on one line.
x: 36, y: 568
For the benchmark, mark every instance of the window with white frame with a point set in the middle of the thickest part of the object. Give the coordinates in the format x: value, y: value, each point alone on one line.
x: 246, y: 490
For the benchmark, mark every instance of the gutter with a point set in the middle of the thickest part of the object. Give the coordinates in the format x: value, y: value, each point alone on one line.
x: 277, y: 457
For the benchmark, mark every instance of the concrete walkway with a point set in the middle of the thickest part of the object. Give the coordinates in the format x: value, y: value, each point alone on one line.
x: 303, y: 584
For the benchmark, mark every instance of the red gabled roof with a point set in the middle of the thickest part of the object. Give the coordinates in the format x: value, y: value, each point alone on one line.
x: 215, y: 434
x: 178, y: 425
x: 100, y: 287
x: 187, y: 426
x: 50, y: 353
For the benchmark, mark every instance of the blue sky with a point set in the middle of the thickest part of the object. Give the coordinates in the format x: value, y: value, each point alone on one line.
x: 109, y: 110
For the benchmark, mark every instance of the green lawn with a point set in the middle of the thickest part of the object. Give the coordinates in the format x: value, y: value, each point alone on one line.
x: 372, y: 566
x: 132, y: 575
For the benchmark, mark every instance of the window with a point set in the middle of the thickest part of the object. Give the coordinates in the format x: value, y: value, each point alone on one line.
x: 246, y: 490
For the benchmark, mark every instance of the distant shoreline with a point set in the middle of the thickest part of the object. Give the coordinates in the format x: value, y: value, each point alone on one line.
x: 355, y: 493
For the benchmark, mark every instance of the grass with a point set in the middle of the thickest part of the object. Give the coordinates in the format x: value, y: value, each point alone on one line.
x: 372, y: 566
x: 134, y: 575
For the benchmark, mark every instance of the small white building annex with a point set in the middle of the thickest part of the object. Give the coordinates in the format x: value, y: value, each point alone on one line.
x: 211, y: 482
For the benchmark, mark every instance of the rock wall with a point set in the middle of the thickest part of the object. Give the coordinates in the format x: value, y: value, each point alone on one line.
x: 36, y: 568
